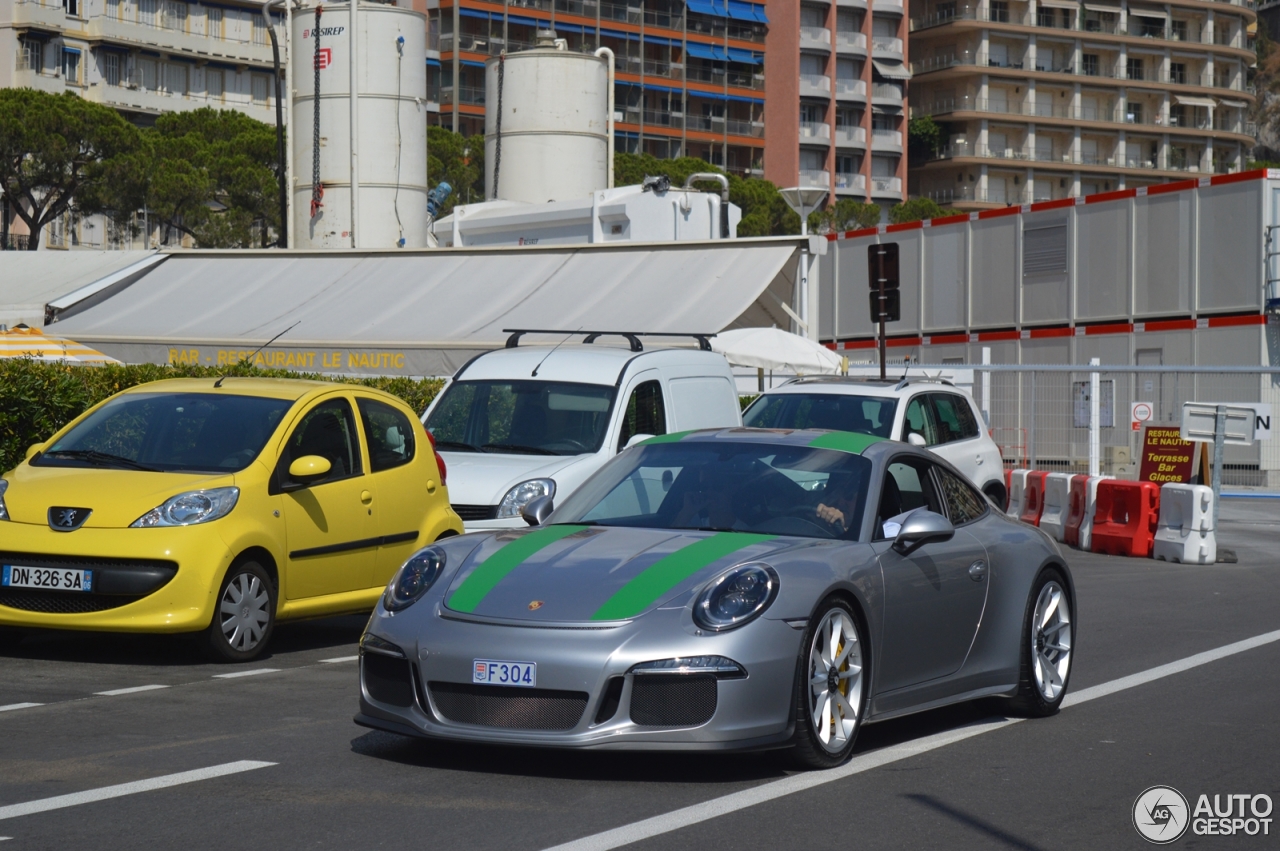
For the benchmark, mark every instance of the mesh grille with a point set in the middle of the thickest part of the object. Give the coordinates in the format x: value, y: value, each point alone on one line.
x: 675, y: 700
x: 80, y: 562
x: 387, y: 680
x: 476, y: 512
x: 509, y: 707
x: 61, y: 602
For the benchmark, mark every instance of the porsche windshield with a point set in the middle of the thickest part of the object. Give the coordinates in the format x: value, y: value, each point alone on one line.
x: 522, y: 417
x: 727, y: 486
x: 170, y: 432
x: 838, y: 412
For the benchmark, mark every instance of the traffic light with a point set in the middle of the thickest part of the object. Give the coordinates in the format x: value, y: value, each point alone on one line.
x: 882, y: 277
x: 892, y: 306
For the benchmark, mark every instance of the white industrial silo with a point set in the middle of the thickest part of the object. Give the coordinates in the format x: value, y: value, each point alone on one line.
x: 391, y: 135
x: 553, y: 141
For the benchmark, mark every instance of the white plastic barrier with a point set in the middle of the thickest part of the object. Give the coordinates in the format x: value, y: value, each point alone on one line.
x: 1057, y: 493
x: 1090, y: 503
x: 1185, y: 533
x: 1017, y: 493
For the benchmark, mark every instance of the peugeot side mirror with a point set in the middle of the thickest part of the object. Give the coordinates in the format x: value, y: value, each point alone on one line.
x: 309, y: 468
x: 537, y: 510
x: 922, y: 527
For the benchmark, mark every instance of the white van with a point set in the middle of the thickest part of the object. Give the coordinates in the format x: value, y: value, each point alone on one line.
x: 524, y: 422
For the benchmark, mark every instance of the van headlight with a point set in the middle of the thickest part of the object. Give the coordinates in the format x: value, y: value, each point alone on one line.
x: 523, y: 494
x: 4, y: 511
x: 736, y: 597
x: 413, y: 579
x: 190, y: 508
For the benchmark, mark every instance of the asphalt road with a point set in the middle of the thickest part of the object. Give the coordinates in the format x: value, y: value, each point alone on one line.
x: 955, y: 778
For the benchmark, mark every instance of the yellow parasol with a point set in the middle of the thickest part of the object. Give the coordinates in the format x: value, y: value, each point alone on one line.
x: 24, y: 341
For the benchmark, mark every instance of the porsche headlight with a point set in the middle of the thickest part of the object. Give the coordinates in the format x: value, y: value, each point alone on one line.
x: 414, y: 579
x: 4, y: 511
x: 736, y: 597
x: 190, y: 508
x: 523, y: 494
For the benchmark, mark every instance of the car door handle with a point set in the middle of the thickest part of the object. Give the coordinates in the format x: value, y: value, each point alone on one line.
x: 366, y: 497
x: 978, y: 571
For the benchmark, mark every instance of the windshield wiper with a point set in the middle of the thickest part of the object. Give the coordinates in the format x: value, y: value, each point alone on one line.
x: 705, y: 529
x: 517, y: 447
x: 93, y: 456
x: 456, y: 444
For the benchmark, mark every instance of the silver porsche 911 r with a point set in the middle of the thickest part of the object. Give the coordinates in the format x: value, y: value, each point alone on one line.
x: 725, y: 589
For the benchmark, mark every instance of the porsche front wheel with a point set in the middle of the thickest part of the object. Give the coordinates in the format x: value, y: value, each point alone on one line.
x: 832, y: 689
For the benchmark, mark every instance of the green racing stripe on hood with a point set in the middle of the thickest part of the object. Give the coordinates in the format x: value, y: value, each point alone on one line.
x: 845, y: 441
x: 663, y: 575
x: 494, y: 569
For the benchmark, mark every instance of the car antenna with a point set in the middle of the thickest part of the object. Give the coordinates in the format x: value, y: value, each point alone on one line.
x: 534, y: 374
x: 222, y: 378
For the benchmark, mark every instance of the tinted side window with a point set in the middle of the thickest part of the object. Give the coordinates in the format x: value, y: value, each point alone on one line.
x: 389, y: 432
x: 955, y: 418
x: 963, y: 502
x: 907, y: 486
x: 919, y: 420
x: 646, y: 413
x: 327, y: 430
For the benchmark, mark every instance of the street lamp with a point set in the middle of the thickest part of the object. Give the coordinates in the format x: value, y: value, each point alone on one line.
x: 804, y: 200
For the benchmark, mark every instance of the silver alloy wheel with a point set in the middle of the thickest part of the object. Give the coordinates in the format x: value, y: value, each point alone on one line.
x: 246, y: 610
x: 1051, y: 640
x: 835, y: 680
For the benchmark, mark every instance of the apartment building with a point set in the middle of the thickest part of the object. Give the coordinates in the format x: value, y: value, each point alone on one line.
x: 1047, y: 99
x: 141, y: 57
x: 837, y: 79
x: 690, y: 76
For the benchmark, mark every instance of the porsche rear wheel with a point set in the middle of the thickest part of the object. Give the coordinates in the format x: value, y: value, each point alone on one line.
x: 1047, y: 634
x: 831, y: 692
x: 245, y: 616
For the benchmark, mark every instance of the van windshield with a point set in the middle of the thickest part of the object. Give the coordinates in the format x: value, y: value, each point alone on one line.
x: 834, y: 411
x: 522, y: 417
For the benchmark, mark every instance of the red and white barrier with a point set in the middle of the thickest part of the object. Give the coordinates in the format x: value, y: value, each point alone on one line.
x: 1078, y: 528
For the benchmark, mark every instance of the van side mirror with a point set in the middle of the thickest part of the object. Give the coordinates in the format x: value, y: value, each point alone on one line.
x: 922, y: 527
x: 637, y: 438
x: 537, y: 510
x: 916, y: 439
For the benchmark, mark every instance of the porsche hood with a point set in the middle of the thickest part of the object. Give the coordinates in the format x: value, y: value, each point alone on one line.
x: 575, y: 574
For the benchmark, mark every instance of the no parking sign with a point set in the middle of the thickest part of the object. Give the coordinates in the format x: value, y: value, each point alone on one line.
x: 1140, y: 413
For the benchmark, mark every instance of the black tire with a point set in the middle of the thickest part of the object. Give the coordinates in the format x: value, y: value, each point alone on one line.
x: 10, y: 637
x: 809, y: 750
x: 996, y: 493
x: 242, y: 634
x: 1031, y: 701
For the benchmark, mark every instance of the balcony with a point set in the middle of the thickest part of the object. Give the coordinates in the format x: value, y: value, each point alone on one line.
x: 155, y: 102
x: 621, y: 12
x: 27, y: 78
x: 674, y: 120
x: 815, y: 177
x: 883, y: 139
x: 815, y: 38
x: 177, y: 41
x: 39, y: 14
x: 581, y: 8
x: 851, y: 89
x: 466, y: 94
x: 886, y: 45
x: 666, y: 70
x: 815, y: 85
x: 851, y: 184
x: 739, y: 127
x: 887, y: 92
x: 850, y: 136
x: 851, y: 42
x: 667, y: 19
x: 886, y: 185
x: 815, y: 132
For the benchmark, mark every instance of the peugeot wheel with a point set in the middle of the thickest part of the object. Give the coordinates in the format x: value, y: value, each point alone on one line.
x: 831, y: 693
x: 1047, y: 634
x: 245, y: 616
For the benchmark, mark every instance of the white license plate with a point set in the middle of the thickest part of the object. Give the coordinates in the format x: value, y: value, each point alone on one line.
x: 497, y: 672
x: 53, y: 579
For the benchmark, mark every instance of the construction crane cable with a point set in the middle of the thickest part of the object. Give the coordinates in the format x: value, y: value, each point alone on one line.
x: 317, y: 188
x: 497, y: 141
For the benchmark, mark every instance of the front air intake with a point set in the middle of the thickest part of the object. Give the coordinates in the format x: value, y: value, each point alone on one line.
x: 508, y: 707
x: 673, y: 700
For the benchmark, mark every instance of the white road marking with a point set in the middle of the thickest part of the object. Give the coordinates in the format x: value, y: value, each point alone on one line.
x: 677, y: 819
x: 340, y: 659
x: 19, y: 706
x: 252, y: 673
x: 133, y: 690
x: 91, y: 795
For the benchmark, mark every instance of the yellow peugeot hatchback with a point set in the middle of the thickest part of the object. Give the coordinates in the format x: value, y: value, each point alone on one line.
x: 218, y: 506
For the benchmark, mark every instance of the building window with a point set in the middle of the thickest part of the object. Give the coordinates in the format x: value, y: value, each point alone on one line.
x: 1134, y: 113
x: 259, y: 30
x: 214, y: 83
x: 1089, y: 66
x: 146, y: 73
x: 1000, y: 11
x: 259, y: 82
x: 175, y: 79
x: 32, y: 55
x: 147, y: 12
x: 111, y: 68
x: 71, y: 7
x: 1178, y: 72
x: 1133, y: 69
x: 71, y: 66
x: 174, y: 15
x: 213, y: 22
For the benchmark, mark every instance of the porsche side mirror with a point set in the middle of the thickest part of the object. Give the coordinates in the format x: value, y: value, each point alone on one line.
x: 309, y: 468
x: 637, y: 438
x: 922, y: 527
x: 537, y: 510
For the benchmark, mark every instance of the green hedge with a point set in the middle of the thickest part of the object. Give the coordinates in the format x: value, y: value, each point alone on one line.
x: 37, y: 398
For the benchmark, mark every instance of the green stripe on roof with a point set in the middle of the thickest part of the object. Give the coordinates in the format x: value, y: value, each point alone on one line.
x: 666, y: 438
x: 667, y: 572
x: 845, y: 441
x: 495, y: 568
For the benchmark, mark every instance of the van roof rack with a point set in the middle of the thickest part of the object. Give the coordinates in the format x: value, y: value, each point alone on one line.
x: 632, y: 337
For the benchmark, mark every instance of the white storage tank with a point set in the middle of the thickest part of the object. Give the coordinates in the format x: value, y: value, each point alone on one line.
x: 555, y: 130
x: 392, y: 134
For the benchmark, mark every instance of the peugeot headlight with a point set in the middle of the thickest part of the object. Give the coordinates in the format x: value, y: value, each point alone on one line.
x: 736, y: 597
x: 523, y: 494
x: 190, y: 508
x: 413, y: 579
x: 4, y: 512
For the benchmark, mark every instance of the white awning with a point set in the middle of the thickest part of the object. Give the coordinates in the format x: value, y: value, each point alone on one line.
x: 1142, y: 13
x: 1059, y: 4
x: 891, y: 70
x: 428, y: 312
x: 1188, y: 100
x: 1238, y: 104
x: 1099, y: 7
x: 30, y: 280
